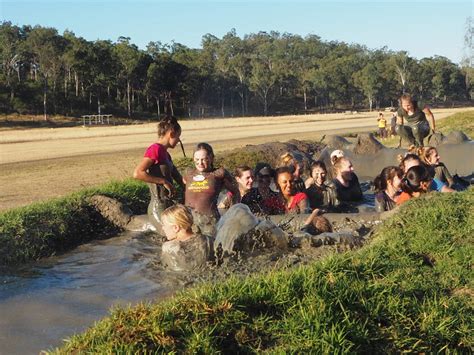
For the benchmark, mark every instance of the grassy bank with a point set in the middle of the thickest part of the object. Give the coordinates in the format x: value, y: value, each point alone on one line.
x: 462, y: 121
x: 410, y: 289
x: 44, y: 229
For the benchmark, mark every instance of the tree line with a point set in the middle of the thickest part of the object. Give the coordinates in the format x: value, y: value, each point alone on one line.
x: 44, y: 72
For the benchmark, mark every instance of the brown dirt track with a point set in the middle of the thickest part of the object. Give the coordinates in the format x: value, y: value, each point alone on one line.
x: 38, y: 164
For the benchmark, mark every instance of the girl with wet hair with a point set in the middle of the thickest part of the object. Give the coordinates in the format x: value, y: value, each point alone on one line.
x: 346, y: 181
x: 293, y: 201
x: 183, y: 250
x: 409, y: 160
x: 296, y: 163
x: 412, y: 124
x: 158, y: 171
x: 416, y: 182
x: 203, y: 185
x: 320, y: 192
x: 387, y: 186
x: 430, y: 156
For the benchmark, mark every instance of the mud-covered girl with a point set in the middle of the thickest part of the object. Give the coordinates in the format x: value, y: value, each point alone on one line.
x: 158, y: 171
x: 203, y: 185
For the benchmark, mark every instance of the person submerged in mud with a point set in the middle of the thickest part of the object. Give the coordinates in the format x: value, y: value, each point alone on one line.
x: 295, y: 162
x: 416, y: 182
x: 387, y: 187
x: 183, y: 250
x: 203, y: 185
x: 158, y: 171
x: 292, y: 201
x: 430, y: 156
x: 412, y: 124
x: 244, y: 178
x: 321, y: 193
x: 410, y: 160
x: 346, y: 182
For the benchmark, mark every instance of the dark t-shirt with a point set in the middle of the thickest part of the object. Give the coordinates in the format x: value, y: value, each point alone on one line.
x: 322, y: 196
x: 442, y: 173
x: 383, y: 202
x: 203, y: 188
x: 350, y: 193
x: 417, y: 116
x: 272, y: 204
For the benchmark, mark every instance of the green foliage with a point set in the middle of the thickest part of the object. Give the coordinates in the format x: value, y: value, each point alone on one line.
x: 43, y: 229
x: 409, y: 290
x: 259, y: 73
x: 232, y: 160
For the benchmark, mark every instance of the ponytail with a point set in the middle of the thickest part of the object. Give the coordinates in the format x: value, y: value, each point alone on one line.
x: 168, y: 124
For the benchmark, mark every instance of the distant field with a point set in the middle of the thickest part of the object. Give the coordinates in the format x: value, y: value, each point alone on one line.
x: 40, y: 163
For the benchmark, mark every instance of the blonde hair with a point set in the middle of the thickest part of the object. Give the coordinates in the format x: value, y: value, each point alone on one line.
x: 424, y: 154
x: 337, y: 162
x: 179, y: 215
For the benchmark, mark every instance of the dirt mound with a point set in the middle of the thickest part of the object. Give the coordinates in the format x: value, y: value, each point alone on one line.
x: 456, y: 137
x: 112, y: 210
x: 336, y: 142
x: 367, y: 144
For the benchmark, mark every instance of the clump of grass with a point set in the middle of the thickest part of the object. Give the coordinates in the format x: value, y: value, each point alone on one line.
x: 462, y: 121
x: 241, y: 157
x: 46, y: 228
x: 400, y: 293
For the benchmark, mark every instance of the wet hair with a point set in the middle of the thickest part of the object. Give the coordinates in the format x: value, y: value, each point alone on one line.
x: 168, y: 124
x: 424, y: 153
x: 318, y: 164
x: 319, y: 225
x: 240, y: 170
x: 179, y: 215
x: 402, y: 159
x: 409, y: 97
x: 291, y: 159
x: 414, y: 177
x: 260, y: 166
x: 387, y: 173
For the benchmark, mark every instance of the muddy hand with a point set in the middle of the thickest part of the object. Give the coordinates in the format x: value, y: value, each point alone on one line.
x: 170, y: 188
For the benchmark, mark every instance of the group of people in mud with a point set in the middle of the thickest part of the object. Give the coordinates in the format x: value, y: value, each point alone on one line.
x: 331, y: 186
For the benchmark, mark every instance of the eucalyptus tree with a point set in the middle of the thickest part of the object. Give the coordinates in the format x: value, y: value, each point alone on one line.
x: 46, y: 48
x: 132, y: 64
x: 11, y: 58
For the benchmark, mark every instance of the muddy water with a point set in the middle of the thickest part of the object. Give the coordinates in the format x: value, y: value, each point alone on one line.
x: 51, y: 300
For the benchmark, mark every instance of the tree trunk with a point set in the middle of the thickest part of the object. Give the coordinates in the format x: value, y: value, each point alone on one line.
x: 222, y: 106
x: 129, y: 110
x: 45, y: 100
x: 305, y: 98
x: 158, y: 106
x: 76, y: 82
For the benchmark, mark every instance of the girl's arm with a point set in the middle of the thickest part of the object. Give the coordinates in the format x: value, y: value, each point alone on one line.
x: 309, y: 181
x: 303, y: 206
x: 431, y: 118
x: 177, y: 177
x: 141, y: 173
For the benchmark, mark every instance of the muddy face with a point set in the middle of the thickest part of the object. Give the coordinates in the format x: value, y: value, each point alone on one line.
x: 264, y: 181
x: 346, y: 170
x: 245, y: 181
x: 202, y: 160
x: 407, y: 105
x: 396, y: 182
x: 434, y: 157
x: 319, y: 175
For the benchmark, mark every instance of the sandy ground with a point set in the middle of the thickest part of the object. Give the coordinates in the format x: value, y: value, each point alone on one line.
x: 38, y: 164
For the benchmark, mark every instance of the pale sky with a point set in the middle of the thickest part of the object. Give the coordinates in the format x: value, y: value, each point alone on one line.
x: 423, y: 28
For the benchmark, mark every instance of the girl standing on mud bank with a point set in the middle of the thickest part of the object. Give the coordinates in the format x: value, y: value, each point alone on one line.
x: 158, y: 171
x: 203, y: 185
x: 387, y: 186
x: 412, y: 124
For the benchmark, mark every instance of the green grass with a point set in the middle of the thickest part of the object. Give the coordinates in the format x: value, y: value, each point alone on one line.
x: 409, y: 290
x: 462, y: 121
x: 47, y: 228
